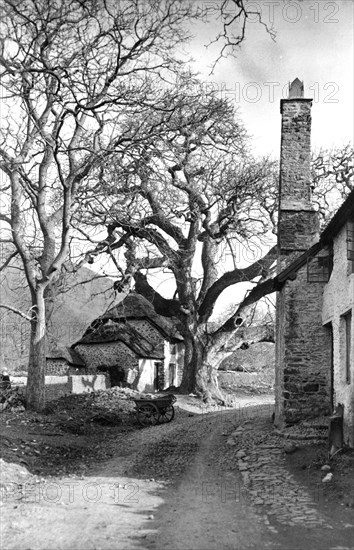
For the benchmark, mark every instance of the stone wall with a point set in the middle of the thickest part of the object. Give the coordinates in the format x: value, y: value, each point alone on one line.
x: 114, y: 357
x: 139, y: 372
x: 60, y: 367
x: 303, y: 350
x: 57, y: 367
x: 338, y: 300
x: 108, y: 354
x: 299, y: 230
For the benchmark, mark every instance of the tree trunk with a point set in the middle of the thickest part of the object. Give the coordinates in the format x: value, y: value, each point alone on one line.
x: 35, y: 393
x: 199, y: 376
x: 191, y: 360
x: 207, y: 383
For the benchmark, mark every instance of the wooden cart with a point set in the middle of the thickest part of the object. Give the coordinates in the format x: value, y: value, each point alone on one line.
x: 155, y: 410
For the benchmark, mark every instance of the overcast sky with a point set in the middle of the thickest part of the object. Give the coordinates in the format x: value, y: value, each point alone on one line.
x: 314, y: 42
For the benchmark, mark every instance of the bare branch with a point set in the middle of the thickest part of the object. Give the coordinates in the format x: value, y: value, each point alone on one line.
x: 8, y: 260
x: 17, y: 311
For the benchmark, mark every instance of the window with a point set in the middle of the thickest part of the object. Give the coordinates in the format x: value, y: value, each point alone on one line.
x: 347, y: 342
x: 350, y: 245
x: 172, y: 374
x: 319, y: 267
x: 173, y: 349
x: 350, y: 241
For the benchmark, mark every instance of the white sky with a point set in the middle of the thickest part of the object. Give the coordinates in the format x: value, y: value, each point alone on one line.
x: 314, y: 43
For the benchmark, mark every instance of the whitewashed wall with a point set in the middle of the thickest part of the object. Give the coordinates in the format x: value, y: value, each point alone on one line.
x: 338, y: 299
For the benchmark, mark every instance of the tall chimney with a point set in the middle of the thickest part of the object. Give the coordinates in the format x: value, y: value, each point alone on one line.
x: 303, y: 349
x: 298, y: 225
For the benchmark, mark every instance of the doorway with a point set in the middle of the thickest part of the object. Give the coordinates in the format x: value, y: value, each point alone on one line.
x: 157, y: 376
x: 172, y: 374
x: 117, y: 376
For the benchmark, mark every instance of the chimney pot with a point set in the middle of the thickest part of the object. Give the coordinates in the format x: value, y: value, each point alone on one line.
x: 296, y: 89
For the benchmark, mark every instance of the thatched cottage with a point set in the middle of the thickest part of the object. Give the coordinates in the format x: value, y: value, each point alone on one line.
x: 135, y: 345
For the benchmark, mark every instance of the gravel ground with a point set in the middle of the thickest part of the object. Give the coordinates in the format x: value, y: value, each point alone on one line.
x: 212, y: 478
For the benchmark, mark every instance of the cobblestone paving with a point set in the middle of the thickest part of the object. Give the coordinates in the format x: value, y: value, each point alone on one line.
x: 269, y: 484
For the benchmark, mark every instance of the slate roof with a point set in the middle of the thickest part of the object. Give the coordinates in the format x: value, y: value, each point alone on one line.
x: 343, y: 214
x: 122, y: 332
x: 69, y: 354
x: 135, y: 306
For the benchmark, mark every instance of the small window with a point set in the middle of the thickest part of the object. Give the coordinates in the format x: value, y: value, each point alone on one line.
x: 350, y: 241
x: 319, y: 267
x: 173, y: 349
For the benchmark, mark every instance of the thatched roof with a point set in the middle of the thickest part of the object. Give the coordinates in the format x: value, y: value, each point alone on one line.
x: 122, y: 332
x: 135, y: 306
x: 69, y: 354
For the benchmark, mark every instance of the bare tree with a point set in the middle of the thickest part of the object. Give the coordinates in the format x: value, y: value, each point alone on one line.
x: 332, y: 178
x: 185, y: 207
x: 75, y: 78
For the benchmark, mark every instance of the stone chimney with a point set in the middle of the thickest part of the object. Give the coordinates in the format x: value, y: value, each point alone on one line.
x: 298, y: 226
x: 303, y: 348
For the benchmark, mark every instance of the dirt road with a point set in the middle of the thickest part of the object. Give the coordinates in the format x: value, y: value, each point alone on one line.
x: 180, y: 485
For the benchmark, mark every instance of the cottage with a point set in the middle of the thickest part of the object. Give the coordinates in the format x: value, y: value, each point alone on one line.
x: 315, y: 283
x: 138, y: 347
x: 337, y: 310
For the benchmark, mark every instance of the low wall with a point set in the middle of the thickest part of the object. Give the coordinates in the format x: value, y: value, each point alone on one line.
x: 232, y: 378
x: 57, y: 386
x: 88, y: 383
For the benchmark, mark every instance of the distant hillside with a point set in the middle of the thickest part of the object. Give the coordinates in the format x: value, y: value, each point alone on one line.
x: 86, y: 296
x: 258, y: 356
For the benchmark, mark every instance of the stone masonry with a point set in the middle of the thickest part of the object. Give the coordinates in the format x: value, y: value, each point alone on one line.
x: 302, y: 377
x: 109, y: 354
x: 57, y: 367
x: 302, y: 343
x: 298, y: 221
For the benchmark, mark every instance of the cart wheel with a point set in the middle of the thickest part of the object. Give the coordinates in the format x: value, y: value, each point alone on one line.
x: 167, y: 414
x: 148, y: 415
